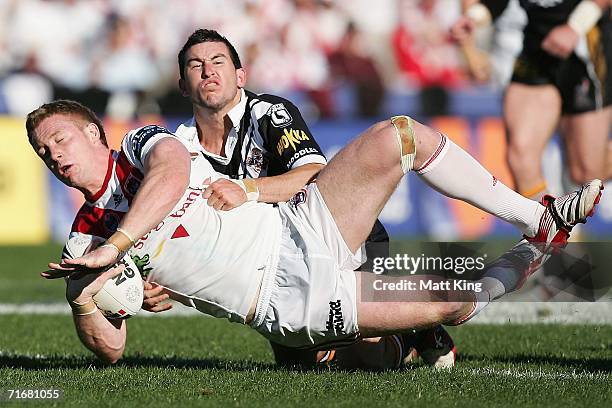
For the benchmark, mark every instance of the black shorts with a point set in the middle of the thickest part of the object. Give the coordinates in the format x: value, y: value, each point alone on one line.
x: 584, y: 84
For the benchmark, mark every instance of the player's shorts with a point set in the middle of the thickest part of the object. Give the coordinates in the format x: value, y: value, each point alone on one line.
x: 309, y: 301
x: 584, y: 80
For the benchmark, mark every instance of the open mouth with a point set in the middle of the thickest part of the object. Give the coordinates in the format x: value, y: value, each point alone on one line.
x: 65, y: 169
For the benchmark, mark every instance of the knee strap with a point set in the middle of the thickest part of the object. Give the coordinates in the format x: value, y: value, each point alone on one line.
x: 406, y: 141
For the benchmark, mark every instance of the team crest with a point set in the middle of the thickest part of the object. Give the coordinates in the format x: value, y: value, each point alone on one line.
x: 255, y: 160
x: 279, y: 115
x: 298, y: 198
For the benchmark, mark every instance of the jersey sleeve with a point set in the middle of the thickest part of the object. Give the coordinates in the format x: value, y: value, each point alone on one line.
x: 138, y: 142
x: 291, y: 144
x: 78, y: 244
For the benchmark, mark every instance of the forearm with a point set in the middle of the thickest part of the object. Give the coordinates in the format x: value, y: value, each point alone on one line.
x: 164, y: 184
x: 281, y: 188
x: 105, y: 338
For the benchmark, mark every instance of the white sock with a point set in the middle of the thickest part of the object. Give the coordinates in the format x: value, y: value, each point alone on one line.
x: 456, y: 174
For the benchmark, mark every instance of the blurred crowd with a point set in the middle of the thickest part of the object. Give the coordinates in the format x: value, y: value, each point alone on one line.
x: 119, y: 56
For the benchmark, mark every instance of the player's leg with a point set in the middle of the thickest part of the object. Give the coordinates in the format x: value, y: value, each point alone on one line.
x: 358, y: 181
x: 586, y: 143
x: 531, y: 114
x: 455, y: 305
x: 377, y: 353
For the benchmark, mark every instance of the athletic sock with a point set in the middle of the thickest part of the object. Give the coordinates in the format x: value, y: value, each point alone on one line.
x: 508, y: 273
x: 456, y: 174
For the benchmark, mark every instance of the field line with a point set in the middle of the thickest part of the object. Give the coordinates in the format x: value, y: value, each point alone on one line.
x: 495, y: 313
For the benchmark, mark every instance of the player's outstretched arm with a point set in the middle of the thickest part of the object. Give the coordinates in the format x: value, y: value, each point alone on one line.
x: 166, y: 176
x: 105, y: 338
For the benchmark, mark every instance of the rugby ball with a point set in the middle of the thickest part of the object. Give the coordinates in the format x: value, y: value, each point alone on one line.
x: 121, y: 297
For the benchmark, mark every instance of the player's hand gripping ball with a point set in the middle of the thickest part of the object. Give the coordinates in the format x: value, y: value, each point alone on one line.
x: 120, y: 298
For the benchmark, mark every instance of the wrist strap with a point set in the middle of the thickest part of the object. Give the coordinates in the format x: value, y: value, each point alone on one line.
x: 250, y: 188
x: 83, y: 309
x: 584, y: 16
x: 121, y: 240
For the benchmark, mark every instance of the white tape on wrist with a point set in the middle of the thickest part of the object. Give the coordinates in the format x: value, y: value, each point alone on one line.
x: 249, y: 187
x: 584, y: 16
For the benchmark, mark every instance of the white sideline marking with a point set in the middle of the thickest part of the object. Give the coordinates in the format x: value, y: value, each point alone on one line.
x: 495, y: 313
x: 537, y: 375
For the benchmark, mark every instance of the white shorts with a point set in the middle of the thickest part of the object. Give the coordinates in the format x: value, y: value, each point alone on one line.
x: 309, y: 301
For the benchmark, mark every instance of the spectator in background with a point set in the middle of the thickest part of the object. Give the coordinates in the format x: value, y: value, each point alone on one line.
x: 350, y: 63
x: 123, y: 67
x: 425, y: 52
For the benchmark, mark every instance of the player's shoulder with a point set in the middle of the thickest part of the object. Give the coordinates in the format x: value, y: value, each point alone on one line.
x: 280, y: 111
x: 134, y: 142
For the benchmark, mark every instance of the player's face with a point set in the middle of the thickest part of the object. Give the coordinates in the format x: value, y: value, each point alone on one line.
x: 211, y: 79
x: 68, y: 149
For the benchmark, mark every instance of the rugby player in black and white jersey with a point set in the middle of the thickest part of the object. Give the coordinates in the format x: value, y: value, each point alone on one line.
x: 285, y: 270
x: 562, y: 78
x: 264, y: 141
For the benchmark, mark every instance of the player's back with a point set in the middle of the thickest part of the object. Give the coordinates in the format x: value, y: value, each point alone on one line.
x: 212, y: 260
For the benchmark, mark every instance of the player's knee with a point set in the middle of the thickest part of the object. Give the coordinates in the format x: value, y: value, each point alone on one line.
x: 585, y: 172
x: 521, y: 159
x: 451, y: 312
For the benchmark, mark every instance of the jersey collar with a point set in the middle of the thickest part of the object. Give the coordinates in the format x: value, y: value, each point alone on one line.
x: 109, y: 172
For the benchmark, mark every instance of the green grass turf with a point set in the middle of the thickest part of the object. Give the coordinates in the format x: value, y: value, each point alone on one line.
x: 195, y: 361
x: 20, y: 267
x: 19, y: 274
x: 188, y: 361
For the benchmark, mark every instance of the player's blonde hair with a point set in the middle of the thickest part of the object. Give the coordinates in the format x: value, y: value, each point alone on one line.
x: 78, y: 112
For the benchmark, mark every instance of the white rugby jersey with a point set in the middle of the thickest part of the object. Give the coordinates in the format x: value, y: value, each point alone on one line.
x: 208, y: 259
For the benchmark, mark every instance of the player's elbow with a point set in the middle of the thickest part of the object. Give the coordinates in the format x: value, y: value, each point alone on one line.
x: 110, y: 355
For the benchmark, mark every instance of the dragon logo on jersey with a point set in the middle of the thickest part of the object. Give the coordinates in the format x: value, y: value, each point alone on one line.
x: 141, y: 263
x: 279, y: 115
x: 255, y: 160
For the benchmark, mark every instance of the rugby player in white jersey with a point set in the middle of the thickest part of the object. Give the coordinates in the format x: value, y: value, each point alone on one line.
x: 293, y: 262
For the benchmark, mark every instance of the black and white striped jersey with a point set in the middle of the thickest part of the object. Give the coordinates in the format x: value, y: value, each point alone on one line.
x: 269, y: 137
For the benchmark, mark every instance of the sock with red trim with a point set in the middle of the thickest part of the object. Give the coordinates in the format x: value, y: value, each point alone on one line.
x: 456, y: 174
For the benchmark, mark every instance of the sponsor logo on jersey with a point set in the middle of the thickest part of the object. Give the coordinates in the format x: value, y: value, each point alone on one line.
x: 291, y: 138
x: 179, y: 232
x: 255, y: 160
x: 191, y: 198
x: 279, y: 115
x: 303, y: 152
x: 335, y: 321
x: 143, y: 135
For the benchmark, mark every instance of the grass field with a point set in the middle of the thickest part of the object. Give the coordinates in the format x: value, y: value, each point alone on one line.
x: 198, y: 361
